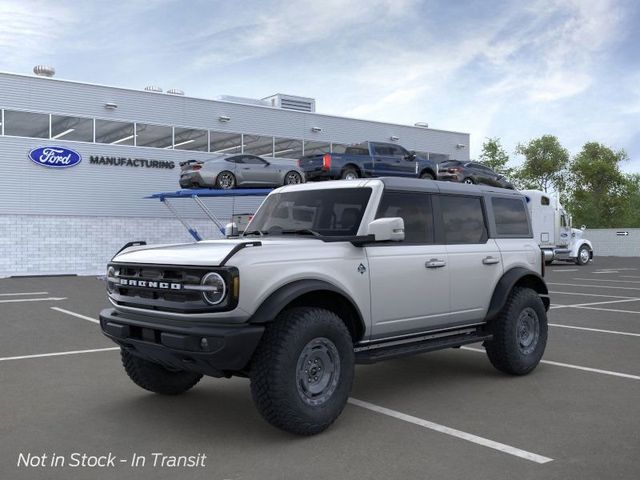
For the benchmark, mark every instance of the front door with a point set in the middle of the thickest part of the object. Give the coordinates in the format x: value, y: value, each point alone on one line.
x: 410, y: 279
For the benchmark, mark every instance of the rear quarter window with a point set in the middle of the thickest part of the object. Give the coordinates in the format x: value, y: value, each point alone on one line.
x: 511, y: 217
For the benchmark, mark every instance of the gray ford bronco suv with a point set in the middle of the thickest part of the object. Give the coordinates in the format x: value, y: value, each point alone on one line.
x: 328, y: 275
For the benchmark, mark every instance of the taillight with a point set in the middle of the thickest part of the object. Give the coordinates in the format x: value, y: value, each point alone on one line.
x: 196, y: 167
x: 326, y: 161
x: 299, y: 163
x: 454, y: 170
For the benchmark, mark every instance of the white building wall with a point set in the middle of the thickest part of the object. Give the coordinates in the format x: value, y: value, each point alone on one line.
x: 606, y: 242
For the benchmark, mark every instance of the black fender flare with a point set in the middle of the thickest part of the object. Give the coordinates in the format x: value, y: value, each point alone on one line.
x: 283, y: 296
x: 429, y: 170
x: 509, y: 280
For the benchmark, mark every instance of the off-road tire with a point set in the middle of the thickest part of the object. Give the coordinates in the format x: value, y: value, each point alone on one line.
x: 579, y: 259
x: 504, y: 350
x: 275, y: 386
x: 156, y: 378
x: 349, y: 173
x: 427, y: 176
x: 225, y: 186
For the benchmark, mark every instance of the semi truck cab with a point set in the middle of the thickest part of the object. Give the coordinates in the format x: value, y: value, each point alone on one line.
x: 552, y: 229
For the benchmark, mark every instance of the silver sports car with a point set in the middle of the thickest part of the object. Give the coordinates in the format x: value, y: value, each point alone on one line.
x: 240, y: 170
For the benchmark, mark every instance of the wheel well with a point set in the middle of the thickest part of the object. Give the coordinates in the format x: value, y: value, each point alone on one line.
x: 428, y: 170
x: 336, y: 303
x: 534, y: 283
x: 354, y: 166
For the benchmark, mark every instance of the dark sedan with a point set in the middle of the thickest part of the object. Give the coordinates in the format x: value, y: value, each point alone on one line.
x: 472, y: 173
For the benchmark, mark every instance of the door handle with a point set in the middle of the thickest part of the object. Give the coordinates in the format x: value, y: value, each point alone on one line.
x: 435, y: 263
x: 490, y: 260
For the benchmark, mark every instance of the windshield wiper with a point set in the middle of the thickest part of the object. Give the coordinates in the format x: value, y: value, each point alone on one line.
x: 302, y: 231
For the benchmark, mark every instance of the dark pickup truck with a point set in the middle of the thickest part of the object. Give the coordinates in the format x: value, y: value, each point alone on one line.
x: 368, y: 159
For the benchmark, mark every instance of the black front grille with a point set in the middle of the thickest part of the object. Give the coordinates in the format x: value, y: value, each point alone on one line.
x: 159, y: 295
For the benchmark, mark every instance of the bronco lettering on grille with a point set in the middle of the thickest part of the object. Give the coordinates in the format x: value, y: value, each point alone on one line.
x: 147, y: 283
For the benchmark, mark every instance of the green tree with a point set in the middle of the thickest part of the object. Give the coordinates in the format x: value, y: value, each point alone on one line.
x: 601, y: 195
x: 545, y: 164
x: 495, y: 157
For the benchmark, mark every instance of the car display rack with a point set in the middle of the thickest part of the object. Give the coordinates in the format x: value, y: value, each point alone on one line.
x: 196, y: 195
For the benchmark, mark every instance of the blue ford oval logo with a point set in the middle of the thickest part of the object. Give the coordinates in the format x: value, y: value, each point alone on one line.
x: 55, y: 157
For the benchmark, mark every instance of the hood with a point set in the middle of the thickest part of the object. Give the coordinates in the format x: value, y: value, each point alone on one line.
x: 205, y: 253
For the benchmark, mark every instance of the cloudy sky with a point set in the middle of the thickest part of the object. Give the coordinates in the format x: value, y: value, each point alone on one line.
x: 515, y: 70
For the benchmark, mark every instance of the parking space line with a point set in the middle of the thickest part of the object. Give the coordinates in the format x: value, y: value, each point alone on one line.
x: 629, y: 276
x: 593, y: 286
x: 589, y: 304
x: 598, y: 330
x: 23, y: 293
x: 609, y: 310
x: 569, y: 270
x: 73, y: 314
x: 533, y: 457
x: 607, y: 280
x: 588, y: 294
x: 569, y: 365
x: 48, y: 299
x: 58, y: 354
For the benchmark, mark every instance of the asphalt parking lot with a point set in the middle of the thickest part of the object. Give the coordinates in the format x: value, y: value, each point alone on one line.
x: 446, y: 414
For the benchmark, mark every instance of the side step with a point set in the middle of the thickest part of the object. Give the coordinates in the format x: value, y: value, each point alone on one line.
x: 388, y: 350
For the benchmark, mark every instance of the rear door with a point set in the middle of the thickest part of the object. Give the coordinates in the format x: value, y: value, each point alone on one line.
x: 409, y: 279
x: 475, y: 263
x: 384, y: 159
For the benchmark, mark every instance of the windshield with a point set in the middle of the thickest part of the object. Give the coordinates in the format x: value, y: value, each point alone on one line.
x: 327, y: 212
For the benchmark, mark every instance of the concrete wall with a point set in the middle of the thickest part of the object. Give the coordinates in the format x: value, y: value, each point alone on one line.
x: 607, y: 243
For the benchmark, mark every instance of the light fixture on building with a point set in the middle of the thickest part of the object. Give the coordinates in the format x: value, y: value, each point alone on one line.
x: 421, y: 124
x: 394, y: 138
x: 461, y: 145
x: 62, y: 134
x: 175, y: 91
x: 110, y: 105
x: 224, y: 118
x: 123, y: 139
x: 316, y: 129
x: 182, y: 143
x: 44, y: 71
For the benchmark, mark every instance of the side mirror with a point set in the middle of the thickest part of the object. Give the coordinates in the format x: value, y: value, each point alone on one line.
x: 385, y: 229
x: 231, y: 230
x: 583, y: 227
x: 411, y: 156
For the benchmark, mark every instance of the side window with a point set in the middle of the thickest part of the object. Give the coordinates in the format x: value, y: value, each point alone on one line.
x: 511, y: 217
x: 250, y: 159
x: 398, y: 151
x: 238, y: 159
x: 415, y: 209
x: 383, y: 150
x: 463, y: 219
x: 545, y: 201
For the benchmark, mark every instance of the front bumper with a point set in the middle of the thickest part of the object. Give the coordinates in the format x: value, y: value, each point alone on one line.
x: 182, y: 345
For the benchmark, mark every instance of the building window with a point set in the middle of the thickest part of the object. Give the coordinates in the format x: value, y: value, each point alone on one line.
x: 338, y: 147
x: 26, y: 124
x: 225, y: 143
x: 258, y: 145
x: 287, y: 148
x: 157, y: 136
x: 71, y: 128
x: 316, y: 148
x: 191, y: 139
x: 115, y: 133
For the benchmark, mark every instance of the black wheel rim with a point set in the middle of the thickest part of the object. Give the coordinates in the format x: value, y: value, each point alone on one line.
x: 225, y: 180
x: 528, y: 330
x: 292, y: 178
x: 318, y: 371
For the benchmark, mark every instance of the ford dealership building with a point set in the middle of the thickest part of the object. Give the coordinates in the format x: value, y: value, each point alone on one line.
x: 77, y: 160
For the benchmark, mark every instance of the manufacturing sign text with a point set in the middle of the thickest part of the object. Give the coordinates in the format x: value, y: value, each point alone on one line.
x: 130, y: 162
x: 55, y: 157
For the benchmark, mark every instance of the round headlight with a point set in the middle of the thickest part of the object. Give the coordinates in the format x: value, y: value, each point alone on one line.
x: 111, y: 273
x: 216, y: 288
